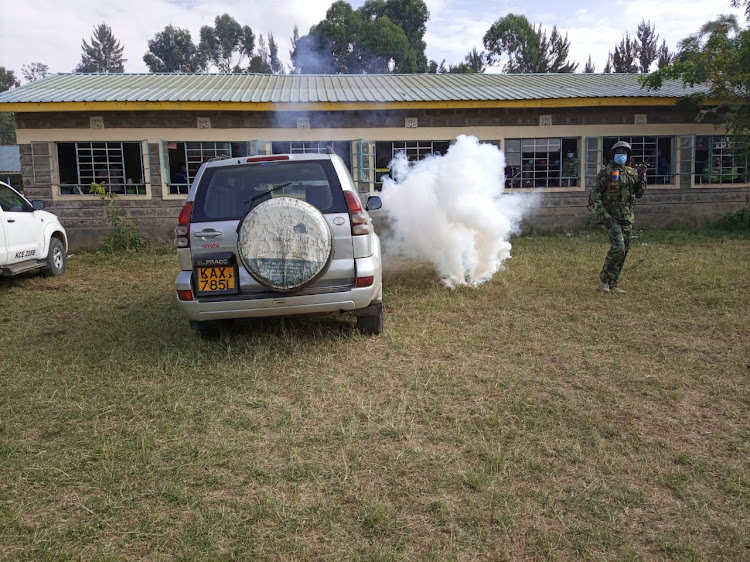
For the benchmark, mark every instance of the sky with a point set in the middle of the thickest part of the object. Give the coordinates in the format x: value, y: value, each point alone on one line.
x: 51, y: 31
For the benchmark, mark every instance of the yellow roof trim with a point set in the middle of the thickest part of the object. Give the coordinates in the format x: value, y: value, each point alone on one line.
x: 38, y: 107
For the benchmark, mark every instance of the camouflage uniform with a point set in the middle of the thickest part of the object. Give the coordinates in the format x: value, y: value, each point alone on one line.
x: 612, y: 199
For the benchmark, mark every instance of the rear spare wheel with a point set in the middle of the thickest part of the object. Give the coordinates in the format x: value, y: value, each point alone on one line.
x: 285, y: 243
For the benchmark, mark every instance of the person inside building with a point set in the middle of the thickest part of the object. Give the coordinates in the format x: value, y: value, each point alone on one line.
x: 612, y: 198
x: 570, y: 169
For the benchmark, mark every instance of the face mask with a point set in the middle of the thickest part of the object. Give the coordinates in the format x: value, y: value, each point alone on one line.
x: 570, y: 155
x: 621, y: 158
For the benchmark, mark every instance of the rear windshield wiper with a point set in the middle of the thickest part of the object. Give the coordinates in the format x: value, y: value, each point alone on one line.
x: 266, y: 192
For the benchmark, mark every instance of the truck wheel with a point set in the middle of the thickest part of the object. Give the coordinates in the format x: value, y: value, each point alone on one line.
x: 56, y: 259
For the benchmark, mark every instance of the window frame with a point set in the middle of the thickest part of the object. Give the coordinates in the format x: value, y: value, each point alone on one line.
x: 192, y: 157
x: 532, y: 166
x: 101, y: 162
x: 725, y: 153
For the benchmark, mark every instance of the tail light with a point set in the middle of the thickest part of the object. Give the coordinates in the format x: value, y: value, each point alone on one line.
x: 185, y: 295
x: 365, y: 281
x: 267, y: 158
x: 357, y: 216
x: 182, y: 230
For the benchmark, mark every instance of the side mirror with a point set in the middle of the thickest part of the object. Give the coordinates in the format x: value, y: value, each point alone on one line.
x: 38, y: 204
x: 373, y: 203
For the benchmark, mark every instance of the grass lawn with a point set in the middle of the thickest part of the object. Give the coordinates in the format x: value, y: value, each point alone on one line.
x: 528, y: 419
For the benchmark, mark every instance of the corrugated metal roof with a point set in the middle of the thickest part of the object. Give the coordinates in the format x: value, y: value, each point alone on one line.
x: 10, y: 159
x: 312, y: 88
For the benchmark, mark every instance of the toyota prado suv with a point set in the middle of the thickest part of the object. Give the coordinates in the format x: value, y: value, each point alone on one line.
x: 277, y: 235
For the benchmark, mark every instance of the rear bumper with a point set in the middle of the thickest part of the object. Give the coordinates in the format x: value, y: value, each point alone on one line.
x: 281, y: 304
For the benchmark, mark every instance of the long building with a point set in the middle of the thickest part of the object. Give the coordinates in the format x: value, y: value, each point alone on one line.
x: 145, y: 135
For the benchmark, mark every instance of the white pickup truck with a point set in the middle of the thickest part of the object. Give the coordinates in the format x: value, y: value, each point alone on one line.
x: 29, y: 237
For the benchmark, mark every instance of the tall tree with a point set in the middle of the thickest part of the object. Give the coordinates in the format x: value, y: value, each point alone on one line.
x: 590, y: 67
x: 527, y: 49
x: 226, y: 45
x: 277, y: 67
x: 409, y: 15
x: 625, y: 57
x: 34, y: 71
x: 260, y: 62
x: 665, y: 56
x: 8, y: 80
x: 173, y: 50
x: 104, y: 54
x: 354, y: 41
x: 647, y: 45
x: 293, y: 68
x: 719, y: 57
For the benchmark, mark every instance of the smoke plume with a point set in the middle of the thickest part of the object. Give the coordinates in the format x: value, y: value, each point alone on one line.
x: 450, y: 210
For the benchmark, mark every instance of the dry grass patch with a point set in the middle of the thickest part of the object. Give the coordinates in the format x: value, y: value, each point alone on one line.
x: 530, y: 418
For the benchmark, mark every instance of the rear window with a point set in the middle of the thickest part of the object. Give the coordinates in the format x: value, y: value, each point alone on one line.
x: 226, y: 192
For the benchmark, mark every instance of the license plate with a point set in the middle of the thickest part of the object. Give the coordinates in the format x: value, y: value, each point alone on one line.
x: 216, y: 280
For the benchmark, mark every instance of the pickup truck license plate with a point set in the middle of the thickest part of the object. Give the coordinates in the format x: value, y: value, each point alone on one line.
x: 216, y: 280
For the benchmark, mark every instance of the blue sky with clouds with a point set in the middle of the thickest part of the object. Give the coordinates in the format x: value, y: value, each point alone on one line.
x: 50, y: 31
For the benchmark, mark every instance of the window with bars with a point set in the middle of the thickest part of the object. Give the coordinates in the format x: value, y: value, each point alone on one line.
x: 183, y: 159
x: 542, y: 163
x: 655, y: 152
x: 116, y: 165
x: 721, y: 160
x: 385, y: 152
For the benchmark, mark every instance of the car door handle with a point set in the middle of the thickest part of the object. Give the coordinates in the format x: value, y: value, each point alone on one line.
x: 207, y: 234
x: 11, y: 220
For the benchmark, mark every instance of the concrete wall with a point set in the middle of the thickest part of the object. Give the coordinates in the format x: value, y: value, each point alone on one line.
x: 156, y: 213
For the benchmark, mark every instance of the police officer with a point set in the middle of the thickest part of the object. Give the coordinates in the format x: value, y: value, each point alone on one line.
x: 612, y: 198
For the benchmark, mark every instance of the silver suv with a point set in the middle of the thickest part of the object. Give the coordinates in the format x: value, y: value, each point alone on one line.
x: 277, y: 235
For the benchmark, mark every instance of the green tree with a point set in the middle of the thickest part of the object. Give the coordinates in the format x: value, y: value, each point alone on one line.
x: 410, y: 15
x: 260, y: 62
x: 473, y: 64
x: 718, y: 56
x: 277, y: 67
x: 173, y: 50
x: 104, y: 54
x: 625, y: 57
x: 527, y: 49
x: 355, y: 41
x: 8, y: 80
x: 590, y: 67
x: 226, y: 45
x: 293, y: 69
x: 34, y: 71
x: 647, y: 45
x: 434, y: 68
x: 665, y: 56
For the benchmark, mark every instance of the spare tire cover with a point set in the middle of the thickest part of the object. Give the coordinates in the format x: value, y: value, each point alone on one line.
x: 285, y: 243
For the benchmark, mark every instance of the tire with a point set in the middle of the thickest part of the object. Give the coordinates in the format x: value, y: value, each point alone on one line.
x: 285, y: 244
x: 371, y: 325
x: 56, y: 259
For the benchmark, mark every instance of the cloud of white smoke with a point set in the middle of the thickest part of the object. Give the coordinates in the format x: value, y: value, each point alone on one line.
x: 450, y: 210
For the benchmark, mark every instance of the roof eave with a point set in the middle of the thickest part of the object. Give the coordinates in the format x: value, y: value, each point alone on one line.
x: 95, y: 106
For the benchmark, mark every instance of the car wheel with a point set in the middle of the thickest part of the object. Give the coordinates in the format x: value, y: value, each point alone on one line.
x: 56, y: 259
x: 285, y: 244
x: 371, y: 325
